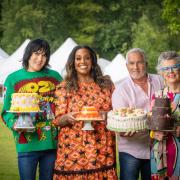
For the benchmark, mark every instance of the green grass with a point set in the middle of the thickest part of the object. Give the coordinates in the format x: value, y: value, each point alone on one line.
x: 8, y: 156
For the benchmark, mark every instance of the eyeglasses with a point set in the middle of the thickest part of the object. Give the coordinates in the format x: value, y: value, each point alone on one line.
x: 170, y: 68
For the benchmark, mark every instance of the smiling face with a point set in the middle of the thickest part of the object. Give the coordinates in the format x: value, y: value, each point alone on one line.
x: 83, y: 62
x: 36, y: 61
x: 136, y: 65
x: 171, y: 75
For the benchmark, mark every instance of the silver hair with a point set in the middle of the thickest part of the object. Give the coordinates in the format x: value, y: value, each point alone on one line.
x: 168, y: 55
x: 138, y: 50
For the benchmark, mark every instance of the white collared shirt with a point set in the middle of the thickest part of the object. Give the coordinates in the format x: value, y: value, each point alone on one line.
x: 129, y: 94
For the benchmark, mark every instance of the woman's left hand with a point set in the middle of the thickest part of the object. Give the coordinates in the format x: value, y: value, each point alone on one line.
x: 70, y: 117
x: 159, y: 135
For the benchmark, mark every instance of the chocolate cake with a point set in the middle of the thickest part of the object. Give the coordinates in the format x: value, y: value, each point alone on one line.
x: 161, y: 118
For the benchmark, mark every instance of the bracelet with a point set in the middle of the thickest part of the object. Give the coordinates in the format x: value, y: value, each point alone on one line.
x: 152, y: 134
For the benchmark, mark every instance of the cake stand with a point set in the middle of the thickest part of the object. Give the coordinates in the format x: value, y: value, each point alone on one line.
x: 25, y: 120
x: 87, y: 121
x: 88, y: 125
x: 163, y: 130
x: 157, y: 127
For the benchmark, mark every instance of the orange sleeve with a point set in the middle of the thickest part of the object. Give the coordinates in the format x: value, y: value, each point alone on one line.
x: 61, y: 102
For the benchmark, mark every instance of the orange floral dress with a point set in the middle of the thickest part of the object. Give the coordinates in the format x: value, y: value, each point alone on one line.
x: 82, y: 154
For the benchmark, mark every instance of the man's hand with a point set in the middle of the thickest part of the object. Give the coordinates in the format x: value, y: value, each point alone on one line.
x: 127, y: 134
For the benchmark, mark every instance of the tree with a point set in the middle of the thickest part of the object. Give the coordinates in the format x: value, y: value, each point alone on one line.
x: 171, y: 13
x: 116, y: 18
x: 54, y: 21
x: 149, y: 37
x: 107, y: 26
x: 20, y: 21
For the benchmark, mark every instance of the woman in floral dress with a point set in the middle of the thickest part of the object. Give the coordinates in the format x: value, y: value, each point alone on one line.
x: 165, y: 152
x: 83, y: 154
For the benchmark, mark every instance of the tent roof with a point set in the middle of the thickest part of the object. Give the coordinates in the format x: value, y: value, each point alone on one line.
x: 117, y: 68
x: 3, y: 54
x: 103, y: 63
x: 59, y: 58
x: 13, y: 62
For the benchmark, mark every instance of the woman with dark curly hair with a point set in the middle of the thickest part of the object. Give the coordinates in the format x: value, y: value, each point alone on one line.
x: 83, y: 154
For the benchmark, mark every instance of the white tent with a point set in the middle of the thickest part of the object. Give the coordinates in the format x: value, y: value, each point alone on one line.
x: 117, y: 68
x: 3, y: 54
x: 59, y: 58
x: 13, y: 62
x: 103, y: 63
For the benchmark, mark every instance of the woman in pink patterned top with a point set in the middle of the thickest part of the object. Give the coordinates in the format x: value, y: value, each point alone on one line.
x: 167, y: 162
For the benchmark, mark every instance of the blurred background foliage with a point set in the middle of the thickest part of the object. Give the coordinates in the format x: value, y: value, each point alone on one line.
x: 109, y: 27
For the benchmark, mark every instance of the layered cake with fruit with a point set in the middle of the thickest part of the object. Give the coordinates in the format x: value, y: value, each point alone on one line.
x: 161, y: 117
x: 126, y: 119
x: 25, y: 102
x: 88, y: 113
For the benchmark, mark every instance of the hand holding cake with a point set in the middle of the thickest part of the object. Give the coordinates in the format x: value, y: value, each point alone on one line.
x: 67, y: 119
x: 127, y: 134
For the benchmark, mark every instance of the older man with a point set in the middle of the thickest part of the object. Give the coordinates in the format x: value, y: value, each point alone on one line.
x: 135, y: 91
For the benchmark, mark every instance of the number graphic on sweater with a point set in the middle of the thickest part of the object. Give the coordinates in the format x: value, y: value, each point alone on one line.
x: 32, y: 87
x: 41, y: 86
x: 45, y: 86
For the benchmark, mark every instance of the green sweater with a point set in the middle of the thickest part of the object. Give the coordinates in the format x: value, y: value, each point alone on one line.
x: 43, y: 83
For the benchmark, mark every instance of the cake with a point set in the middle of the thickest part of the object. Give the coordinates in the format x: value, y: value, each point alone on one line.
x: 126, y: 119
x: 88, y: 113
x: 24, y: 102
x: 161, y: 118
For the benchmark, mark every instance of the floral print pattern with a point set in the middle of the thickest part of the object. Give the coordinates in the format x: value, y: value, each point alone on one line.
x: 84, y: 154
